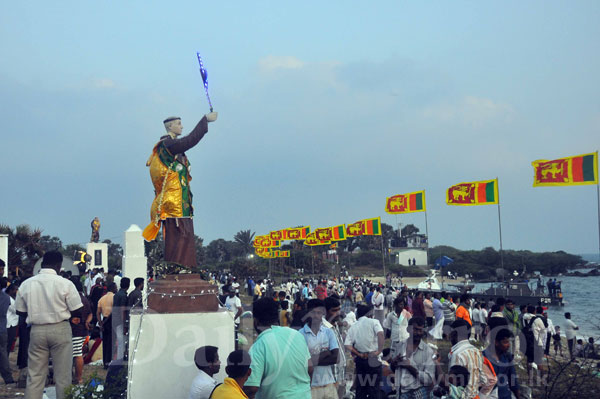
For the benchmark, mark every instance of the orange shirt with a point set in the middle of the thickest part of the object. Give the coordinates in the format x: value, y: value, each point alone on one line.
x: 463, y: 313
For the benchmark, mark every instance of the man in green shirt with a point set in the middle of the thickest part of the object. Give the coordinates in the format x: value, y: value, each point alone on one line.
x: 281, y: 364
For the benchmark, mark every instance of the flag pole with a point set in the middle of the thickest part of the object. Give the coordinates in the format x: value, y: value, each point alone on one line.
x: 500, y: 231
x: 598, y: 199
x: 312, y: 258
x: 427, y: 234
x: 383, y: 258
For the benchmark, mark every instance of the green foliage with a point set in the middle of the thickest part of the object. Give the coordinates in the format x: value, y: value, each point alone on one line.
x: 24, y: 245
x: 409, y: 229
x: 71, y: 249
x: 51, y: 244
x: 483, y: 264
x: 115, y: 255
x: 88, y: 389
x: 244, y: 240
x: 407, y: 271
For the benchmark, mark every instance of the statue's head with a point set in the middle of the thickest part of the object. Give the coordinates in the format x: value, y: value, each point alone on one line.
x: 173, y: 125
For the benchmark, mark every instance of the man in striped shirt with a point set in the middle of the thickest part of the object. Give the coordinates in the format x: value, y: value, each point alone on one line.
x: 466, y: 355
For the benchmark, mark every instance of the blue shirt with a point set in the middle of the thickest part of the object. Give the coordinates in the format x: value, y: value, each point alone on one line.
x: 305, y: 292
x: 368, y: 298
x: 505, y: 371
x: 4, y: 304
x: 280, y: 364
x: 325, y: 339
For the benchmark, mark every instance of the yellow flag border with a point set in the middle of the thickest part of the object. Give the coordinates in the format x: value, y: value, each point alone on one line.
x: 554, y: 184
x: 407, y: 194
x: 495, y: 202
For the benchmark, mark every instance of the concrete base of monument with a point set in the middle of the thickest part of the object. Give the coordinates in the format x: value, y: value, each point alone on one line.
x: 161, y: 356
x: 183, y: 293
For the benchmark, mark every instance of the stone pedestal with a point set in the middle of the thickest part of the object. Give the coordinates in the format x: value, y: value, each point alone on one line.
x: 4, y: 252
x: 183, y: 293
x: 99, y: 253
x: 135, y: 264
x: 163, y: 363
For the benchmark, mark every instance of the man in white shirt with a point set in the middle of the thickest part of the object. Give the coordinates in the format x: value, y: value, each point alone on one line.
x: 324, y: 350
x: 378, y: 300
x: 365, y: 342
x: 570, y: 329
x: 49, y: 301
x: 234, y: 305
x: 208, y: 363
x: 535, y: 348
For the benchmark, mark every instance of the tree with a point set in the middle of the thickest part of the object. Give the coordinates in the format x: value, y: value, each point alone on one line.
x: 71, y: 249
x: 200, y: 255
x: 409, y: 229
x: 115, y: 254
x: 244, y: 239
x: 154, y: 250
x: 51, y: 243
x: 24, y: 246
x: 219, y: 250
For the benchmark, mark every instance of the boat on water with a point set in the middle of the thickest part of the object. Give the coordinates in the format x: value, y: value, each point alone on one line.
x: 519, y: 291
x: 430, y: 283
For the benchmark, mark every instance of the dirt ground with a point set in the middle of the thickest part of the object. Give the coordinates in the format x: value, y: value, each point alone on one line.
x: 12, y: 391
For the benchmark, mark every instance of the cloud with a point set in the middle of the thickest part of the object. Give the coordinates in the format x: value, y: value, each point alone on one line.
x: 272, y: 62
x: 470, y: 110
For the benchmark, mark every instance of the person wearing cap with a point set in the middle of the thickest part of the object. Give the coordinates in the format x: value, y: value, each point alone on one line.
x: 208, y: 364
x: 172, y: 206
x: 48, y: 301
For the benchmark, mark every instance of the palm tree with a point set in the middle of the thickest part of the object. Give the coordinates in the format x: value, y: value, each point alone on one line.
x: 244, y: 239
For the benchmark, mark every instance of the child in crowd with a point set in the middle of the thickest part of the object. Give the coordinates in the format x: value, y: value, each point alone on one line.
x: 458, y: 379
x: 556, y: 341
x: 285, y: 318
x: 578, y: 351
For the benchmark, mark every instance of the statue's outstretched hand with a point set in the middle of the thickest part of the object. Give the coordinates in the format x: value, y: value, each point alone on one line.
x: 212, y: 116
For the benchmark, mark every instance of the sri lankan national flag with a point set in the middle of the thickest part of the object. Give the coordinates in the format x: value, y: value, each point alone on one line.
x: 372, y: 227
x: 338, y: 233
x: 474, y: 193
x: 312, y: 240
x: 298, y: 233
x: 278, y: 235
x: 406, y: 203
x: 366, y: 227
x: 265, y: 242
x: 323, y: 234
x: 569, y: 171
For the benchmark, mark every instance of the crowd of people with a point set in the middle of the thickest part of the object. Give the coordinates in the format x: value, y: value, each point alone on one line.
x: 308, y: 329
x: 315, y: 338
x: 62, y: 322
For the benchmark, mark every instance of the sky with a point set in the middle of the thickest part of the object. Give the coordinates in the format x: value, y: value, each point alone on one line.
x: 325, y: 109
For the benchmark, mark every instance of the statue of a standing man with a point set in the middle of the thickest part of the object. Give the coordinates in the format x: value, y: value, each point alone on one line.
x: 95, y: 230
x: 172, y: 206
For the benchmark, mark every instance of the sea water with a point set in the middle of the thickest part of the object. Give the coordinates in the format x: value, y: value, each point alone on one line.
x: 581, y: 297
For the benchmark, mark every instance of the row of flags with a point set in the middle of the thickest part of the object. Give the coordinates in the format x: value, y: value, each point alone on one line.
x: 568, y: 171
x: 267, y: 246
